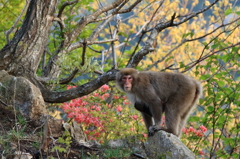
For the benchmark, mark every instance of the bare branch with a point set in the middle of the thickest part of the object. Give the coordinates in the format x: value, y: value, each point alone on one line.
x: 119, y: 12
x: 102, y: 18
x: 114, y: 35
x: 156, y: 30
x: 130, y: 8
x: 94, y: 49
x: 163, y: 58
x: 119, y: 7
x: 3, y: 103
x: 171, y: 22
x: 88, y: 19
x: 148, y: 6
x: 194, y: 39
x: 65, y: 4
x: 79, y: 91
x: 99, y: 28
x: 60, y: 22
x: 84, y: 52
x: 69, y: 78
x: 80, y: 43
x: 208, y: 55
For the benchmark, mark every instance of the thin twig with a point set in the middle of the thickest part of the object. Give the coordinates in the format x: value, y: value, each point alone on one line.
x: 210, y: 54
x: 69, y: 78
x: 65, y: 4
x: 84, y: 52
x: 3, y: 103
x: 130, y: 8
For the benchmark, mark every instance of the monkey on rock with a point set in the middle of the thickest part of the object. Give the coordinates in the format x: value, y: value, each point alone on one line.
x: 153, y: 93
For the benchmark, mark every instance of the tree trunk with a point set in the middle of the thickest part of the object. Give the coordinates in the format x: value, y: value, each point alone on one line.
x: 21, y: 56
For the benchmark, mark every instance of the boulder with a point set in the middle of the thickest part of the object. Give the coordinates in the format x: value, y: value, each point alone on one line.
x: 168, y: 146
x: 19, y: 94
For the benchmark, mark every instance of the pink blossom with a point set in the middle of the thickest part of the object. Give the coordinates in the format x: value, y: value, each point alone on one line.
x: 126, y: 102
x: 185, y: 130
x: 163, y: 121
x: 84, y: 103
x: 119, y: 108
x: 104, y: 88
x: 93, y: 107
x: 108, y: 105
x: 95, y: 94
x: 97, y: 134
x: 203, y: 128
x: 199, y: 133
x: 71, y: 115
x: 80, y: 117
x: 201, y: 152
x: 116, y: 97
x: 84, y: 109
x: 106, y: 95
x: 69, y: 87
x: 98, y: 108
x: 144, y: 135
x: 65, y: 107
x: 135, y: 117
x: 191, y: 129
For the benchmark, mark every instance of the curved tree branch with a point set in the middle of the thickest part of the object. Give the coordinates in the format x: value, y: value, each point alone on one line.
x: 79, y: 91
x: 65, y: 4
x: 69, y: 78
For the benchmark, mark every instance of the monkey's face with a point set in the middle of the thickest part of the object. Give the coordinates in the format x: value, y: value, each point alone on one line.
x: 127, y: 82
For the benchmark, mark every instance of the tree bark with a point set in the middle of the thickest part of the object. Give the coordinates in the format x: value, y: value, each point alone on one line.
x: 21, y: 56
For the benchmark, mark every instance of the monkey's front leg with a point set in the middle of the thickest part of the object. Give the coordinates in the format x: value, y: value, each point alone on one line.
x: 142, y: 107
x: 157, y: 116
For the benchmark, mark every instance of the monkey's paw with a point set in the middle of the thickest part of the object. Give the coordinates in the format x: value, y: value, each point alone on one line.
x: 152, y: 129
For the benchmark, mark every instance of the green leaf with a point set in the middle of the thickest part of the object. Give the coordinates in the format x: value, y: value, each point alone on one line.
x: 170, y: 57
x: 181, y: 64
x: 228, y: 11
x: 206, y: 45
x: 188, y: 34
x: 210, y: 108
x: 220, y: 83
x: 214, y: 46
x: 204, y: 77
x: 221, y: 119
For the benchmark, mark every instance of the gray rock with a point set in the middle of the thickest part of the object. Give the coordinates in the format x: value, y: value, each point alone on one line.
x: 167, y: 146
x: 18, y: 93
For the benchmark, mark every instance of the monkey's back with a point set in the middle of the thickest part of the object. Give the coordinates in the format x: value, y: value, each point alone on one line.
x: 166, y: 84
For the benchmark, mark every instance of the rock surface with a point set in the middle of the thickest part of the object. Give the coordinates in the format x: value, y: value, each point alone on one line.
x: 20, y: 95
x: 168, y: 146
x: 161, y: 145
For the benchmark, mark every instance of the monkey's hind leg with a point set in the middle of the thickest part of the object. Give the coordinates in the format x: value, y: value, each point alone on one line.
x: 172, y: 121
x: 183, y: 120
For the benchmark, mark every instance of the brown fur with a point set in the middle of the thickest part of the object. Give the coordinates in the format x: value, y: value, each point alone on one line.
x: 153, y: 93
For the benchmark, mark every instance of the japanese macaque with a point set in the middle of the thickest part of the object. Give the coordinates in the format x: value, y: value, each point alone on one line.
x: 153, y: 93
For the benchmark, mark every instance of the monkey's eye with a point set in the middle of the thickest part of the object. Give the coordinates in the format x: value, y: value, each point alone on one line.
x: 127, y: 78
